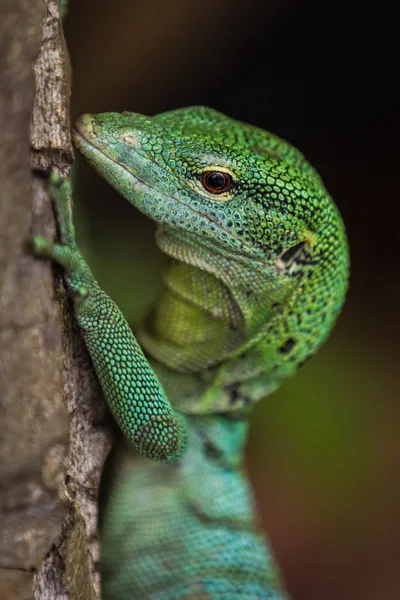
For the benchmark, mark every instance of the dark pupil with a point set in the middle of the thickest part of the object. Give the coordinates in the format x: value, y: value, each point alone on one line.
x: 216, y: 181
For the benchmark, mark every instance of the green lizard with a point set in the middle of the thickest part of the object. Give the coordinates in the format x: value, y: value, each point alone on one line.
x: 257, y: 275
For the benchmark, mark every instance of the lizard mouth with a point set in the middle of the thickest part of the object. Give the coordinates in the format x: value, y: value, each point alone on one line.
x: 97, y: 157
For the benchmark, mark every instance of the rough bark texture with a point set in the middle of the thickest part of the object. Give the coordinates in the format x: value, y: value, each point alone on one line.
x: 52, y: 438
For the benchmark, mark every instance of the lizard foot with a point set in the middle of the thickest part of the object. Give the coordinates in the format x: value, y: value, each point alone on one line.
x: 78, y: 275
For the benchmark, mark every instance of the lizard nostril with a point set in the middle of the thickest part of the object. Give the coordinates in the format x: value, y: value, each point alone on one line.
x: 130, y: 139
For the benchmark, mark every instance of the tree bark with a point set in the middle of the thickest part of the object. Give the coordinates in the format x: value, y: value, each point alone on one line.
x: 53, y: 437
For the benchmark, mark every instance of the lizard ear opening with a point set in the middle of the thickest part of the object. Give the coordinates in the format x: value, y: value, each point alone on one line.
x: 289, y: 255
x: 293, y: 258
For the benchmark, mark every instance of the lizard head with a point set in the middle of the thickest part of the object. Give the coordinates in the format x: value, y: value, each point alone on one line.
x: 240, y: 203
x: 207, y: 179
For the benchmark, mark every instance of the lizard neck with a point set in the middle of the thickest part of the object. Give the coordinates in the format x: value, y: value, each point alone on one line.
x: 284, y: 309
x: 196, y: 321
x: 211, y: 306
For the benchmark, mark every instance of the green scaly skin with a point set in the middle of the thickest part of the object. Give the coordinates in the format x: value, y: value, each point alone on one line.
x: 256, y: 279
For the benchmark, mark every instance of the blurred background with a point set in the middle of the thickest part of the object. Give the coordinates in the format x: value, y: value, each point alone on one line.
x: 324, y: 452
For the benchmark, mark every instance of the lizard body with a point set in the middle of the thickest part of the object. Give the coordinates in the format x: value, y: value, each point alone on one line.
x: 257, y: 276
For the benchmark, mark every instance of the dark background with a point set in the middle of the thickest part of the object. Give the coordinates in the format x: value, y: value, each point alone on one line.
x: 324, y: 452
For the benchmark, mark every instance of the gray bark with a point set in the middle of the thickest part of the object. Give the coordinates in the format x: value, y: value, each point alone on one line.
x: 52, y: 437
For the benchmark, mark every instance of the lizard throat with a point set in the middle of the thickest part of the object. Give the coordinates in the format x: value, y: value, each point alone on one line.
x: 196, y: 323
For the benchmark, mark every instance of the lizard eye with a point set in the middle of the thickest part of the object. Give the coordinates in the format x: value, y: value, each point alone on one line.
x: 216, y: 182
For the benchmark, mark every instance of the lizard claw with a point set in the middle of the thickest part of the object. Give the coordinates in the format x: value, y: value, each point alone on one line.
x: 56, y: 181
x: 42, y: 247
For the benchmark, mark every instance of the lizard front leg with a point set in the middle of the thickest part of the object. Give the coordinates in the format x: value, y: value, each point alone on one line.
x: 132, y: 390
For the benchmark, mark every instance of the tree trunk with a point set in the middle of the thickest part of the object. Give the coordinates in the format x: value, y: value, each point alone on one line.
x: 53, y: 440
